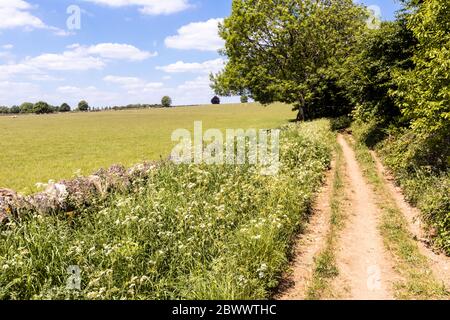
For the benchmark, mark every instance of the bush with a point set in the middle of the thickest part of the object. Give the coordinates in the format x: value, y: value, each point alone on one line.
x: 15, y: 109
x: 370, y: 132
x: 244, y: 99
x: 215, y: 100
x: 64, y: 108
x: 83, y: 106
x: 4, y: 110
x: 42, y: 107
x: 341, y: 123
x: 27, y: 107
x: 166, y: 102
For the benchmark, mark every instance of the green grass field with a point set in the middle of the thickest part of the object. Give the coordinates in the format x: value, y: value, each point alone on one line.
x: 39, y: 148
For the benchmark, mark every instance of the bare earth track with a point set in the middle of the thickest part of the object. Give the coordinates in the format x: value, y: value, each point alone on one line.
x: 366, y: 269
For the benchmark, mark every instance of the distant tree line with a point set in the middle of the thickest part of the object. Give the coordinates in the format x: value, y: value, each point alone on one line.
x: 42, y: 107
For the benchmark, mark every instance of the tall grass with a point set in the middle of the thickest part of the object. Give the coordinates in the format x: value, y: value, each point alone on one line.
x: 190, y: 232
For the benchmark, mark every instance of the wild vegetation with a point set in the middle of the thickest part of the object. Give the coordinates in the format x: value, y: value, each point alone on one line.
x: 184, y: 231
x: 393, y: 80
x: 226, y: 232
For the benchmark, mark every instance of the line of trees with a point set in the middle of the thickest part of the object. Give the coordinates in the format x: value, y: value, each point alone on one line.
x: 42, y: 107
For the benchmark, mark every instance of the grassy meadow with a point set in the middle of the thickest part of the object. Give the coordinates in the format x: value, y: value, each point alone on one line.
x: 39, y: 148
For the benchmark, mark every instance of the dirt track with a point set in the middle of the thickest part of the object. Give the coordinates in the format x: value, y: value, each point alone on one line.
x: 366, y: 269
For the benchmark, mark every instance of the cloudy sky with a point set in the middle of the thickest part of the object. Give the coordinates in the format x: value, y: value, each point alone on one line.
x: 120, y: 52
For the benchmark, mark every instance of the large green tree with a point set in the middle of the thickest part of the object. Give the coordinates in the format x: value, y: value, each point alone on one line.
x: 282, y: 50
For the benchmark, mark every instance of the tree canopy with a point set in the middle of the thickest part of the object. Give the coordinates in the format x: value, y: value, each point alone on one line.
x: 83, y: 106
x: 280, y: 51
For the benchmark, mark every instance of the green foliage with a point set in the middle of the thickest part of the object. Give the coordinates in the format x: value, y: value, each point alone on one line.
x: 244, y: 98
x: 186, y: 232
x: 15, y: 109
x: 280, y: 51
x: 367, y: 74
x: 27, y: 107
x: 166, y: 102
x: 83, y: 106
x: 64, y: 108
x: 341, y: 123
x: 424, y: 92
x: 42, y: 107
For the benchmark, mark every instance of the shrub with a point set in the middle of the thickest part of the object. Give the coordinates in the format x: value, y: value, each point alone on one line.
x: 64, y: 108
x: 244, y: 99
x: 215, y: 100
x: 166, y: 102
x: 15, y: 109
x: 341, y: 123
x: 42, y: 107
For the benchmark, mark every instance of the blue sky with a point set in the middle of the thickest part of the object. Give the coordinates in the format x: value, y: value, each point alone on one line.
x: 125, y: 51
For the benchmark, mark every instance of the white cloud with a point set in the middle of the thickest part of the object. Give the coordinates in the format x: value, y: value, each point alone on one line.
x: 44, y: 77
x: 196, y: 67
x: 67, y: 61
x: 202, y: 36
x: 16, y: 14
x: 199, y: 83
x: 77, y: 58
x: 134, y: 85
x: 7, y: 46
x: 17, y: 91
x: 150, y: 7
x: 118, y: 51
x: 9, y: 70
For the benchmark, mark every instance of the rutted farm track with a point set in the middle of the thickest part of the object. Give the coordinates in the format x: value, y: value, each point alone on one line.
x: 367, y: 262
